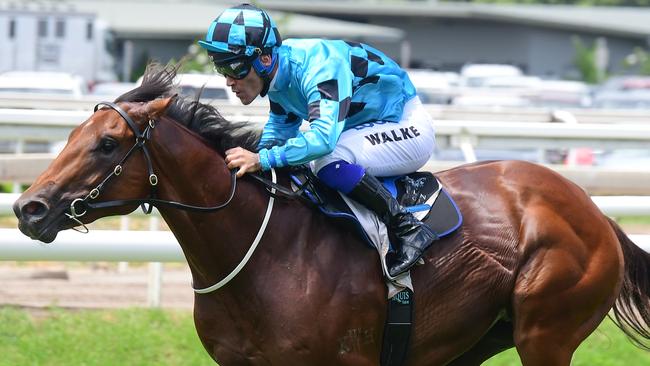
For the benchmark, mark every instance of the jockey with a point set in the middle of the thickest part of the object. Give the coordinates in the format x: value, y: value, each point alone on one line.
x: 365, y: 119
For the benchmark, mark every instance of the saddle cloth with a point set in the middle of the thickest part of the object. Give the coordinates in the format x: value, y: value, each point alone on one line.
x: 419, y: 192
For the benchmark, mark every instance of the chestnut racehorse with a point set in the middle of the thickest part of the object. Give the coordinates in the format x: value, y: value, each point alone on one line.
x: 535, y: 265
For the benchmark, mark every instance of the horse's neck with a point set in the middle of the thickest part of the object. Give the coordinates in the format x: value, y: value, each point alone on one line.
x: 190, y: 172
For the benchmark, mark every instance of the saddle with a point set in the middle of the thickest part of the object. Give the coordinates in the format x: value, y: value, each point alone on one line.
x: 420, y: 193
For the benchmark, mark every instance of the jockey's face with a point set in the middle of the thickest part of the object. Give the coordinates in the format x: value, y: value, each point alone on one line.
x: 249, y: 87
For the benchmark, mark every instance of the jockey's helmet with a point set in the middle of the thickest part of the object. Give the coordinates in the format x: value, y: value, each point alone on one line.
x: 237, y: 37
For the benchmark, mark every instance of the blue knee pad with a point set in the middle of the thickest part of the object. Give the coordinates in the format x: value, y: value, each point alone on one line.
x: 341, y: 175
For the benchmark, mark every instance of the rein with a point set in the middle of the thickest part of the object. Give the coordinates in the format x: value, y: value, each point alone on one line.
x: 251, y: 250
x: 140, y: 139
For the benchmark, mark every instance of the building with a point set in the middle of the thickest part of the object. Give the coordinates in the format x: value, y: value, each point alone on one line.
x: 34, y: 37
x: 537, y: 38
x: 163, y: 30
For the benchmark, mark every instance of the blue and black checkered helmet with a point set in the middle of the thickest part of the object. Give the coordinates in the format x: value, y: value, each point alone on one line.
x: 243, y: 30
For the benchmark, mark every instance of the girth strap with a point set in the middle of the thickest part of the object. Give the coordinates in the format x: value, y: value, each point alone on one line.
x: 397, y: 331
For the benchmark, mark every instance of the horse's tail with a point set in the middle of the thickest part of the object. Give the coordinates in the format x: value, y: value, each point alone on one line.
x: 632, y: 307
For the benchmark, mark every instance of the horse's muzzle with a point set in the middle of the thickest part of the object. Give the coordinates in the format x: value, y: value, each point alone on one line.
x: 32, y: 215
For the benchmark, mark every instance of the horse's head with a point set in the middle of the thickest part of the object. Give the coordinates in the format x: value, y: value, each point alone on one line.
x: 103, y: 157
x: 111, y: 156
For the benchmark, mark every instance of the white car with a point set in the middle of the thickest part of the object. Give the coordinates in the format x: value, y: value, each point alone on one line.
x: 111, y: 90
x: 476, y: 75
x: 57, y: 84
x: 494, y: 85
x: 434, y: 87
x: 211, y: 86
x: 562, y: 94
x: 624, y: 92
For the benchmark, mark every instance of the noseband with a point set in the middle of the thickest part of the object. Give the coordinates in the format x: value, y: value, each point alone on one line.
x: 80, y: 206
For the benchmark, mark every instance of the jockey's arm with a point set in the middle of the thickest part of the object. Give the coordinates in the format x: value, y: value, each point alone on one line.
x: 327, y: 85
x: 280, y: 127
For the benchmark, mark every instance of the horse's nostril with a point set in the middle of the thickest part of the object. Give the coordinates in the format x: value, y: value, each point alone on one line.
x: 34, y: 209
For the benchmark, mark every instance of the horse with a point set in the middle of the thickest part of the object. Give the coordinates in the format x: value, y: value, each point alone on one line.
x: 535, y: 265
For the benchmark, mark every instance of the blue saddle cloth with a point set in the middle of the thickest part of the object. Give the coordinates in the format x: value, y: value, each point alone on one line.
x: 418, y: 192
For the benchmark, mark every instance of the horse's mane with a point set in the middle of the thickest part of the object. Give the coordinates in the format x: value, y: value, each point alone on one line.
x: 204, y: 119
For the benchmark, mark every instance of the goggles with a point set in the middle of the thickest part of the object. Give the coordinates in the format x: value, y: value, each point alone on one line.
x: 237, y: 68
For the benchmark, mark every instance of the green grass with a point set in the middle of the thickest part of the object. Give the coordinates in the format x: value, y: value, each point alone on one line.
x: 6, y: 187
x: 607, y: 346
x: 116, y: 337
x: 634, y: 220
x: 163, y: 337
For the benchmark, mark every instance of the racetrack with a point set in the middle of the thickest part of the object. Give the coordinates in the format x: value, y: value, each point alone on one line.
x: 91, y: 286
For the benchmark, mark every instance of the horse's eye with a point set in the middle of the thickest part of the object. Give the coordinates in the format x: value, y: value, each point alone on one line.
x: 107, y: 145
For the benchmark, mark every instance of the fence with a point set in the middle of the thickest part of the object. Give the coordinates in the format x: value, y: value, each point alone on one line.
x: 55, y: 125
x: 438, y: 112
x: 155, y: 247
x: 595, y: 180
x: 161, y: 246
x: 610, y: 205
x: 467, y: 135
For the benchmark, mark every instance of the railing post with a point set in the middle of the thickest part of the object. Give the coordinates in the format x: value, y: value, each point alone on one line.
x: 466, y: 143
x: 124, y: 226
x: 20, y: 148
x: 155, y: 272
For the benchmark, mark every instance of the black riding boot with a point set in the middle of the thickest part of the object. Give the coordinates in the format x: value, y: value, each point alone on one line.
x: 413, y: 236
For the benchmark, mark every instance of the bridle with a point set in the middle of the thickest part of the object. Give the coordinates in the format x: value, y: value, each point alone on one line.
x: 80, y: 206
x: 140, y: 140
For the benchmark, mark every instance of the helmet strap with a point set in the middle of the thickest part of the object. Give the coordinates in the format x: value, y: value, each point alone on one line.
x: 264, y: 72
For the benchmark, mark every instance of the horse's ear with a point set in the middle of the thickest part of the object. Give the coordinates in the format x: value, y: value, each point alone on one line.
x: 158, y: 107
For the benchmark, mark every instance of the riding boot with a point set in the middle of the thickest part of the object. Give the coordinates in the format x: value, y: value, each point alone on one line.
x: 412, y: 235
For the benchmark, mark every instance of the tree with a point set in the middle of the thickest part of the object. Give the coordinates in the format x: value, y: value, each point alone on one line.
x: 640, y: 60
x: 585, y: 61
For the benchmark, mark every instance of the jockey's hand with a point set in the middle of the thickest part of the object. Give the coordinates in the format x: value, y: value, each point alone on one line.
x: 246, y: 161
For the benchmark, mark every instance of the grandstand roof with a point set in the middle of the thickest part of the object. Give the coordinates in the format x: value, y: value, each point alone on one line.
x: 628, y: 21
x: 183, y: 19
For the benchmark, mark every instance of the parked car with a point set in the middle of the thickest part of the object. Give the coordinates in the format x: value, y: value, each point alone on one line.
x: 494, y: 85
x: 562, y: 94
x: 210, y: 87
x: 476, y: 75
x: 58, y: 84
x: 111, y: 90
x: 622, y: 100
x: 624, y: 92
x: 486, y: 98
x: 434, y: 87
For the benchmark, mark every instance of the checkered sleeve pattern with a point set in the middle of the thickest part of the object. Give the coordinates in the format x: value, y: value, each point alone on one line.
x: 280, y: 127
x: 240, y: 30
x: 328, y: 88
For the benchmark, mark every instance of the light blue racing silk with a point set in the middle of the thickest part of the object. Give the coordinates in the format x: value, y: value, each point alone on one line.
x: 333, y: 84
